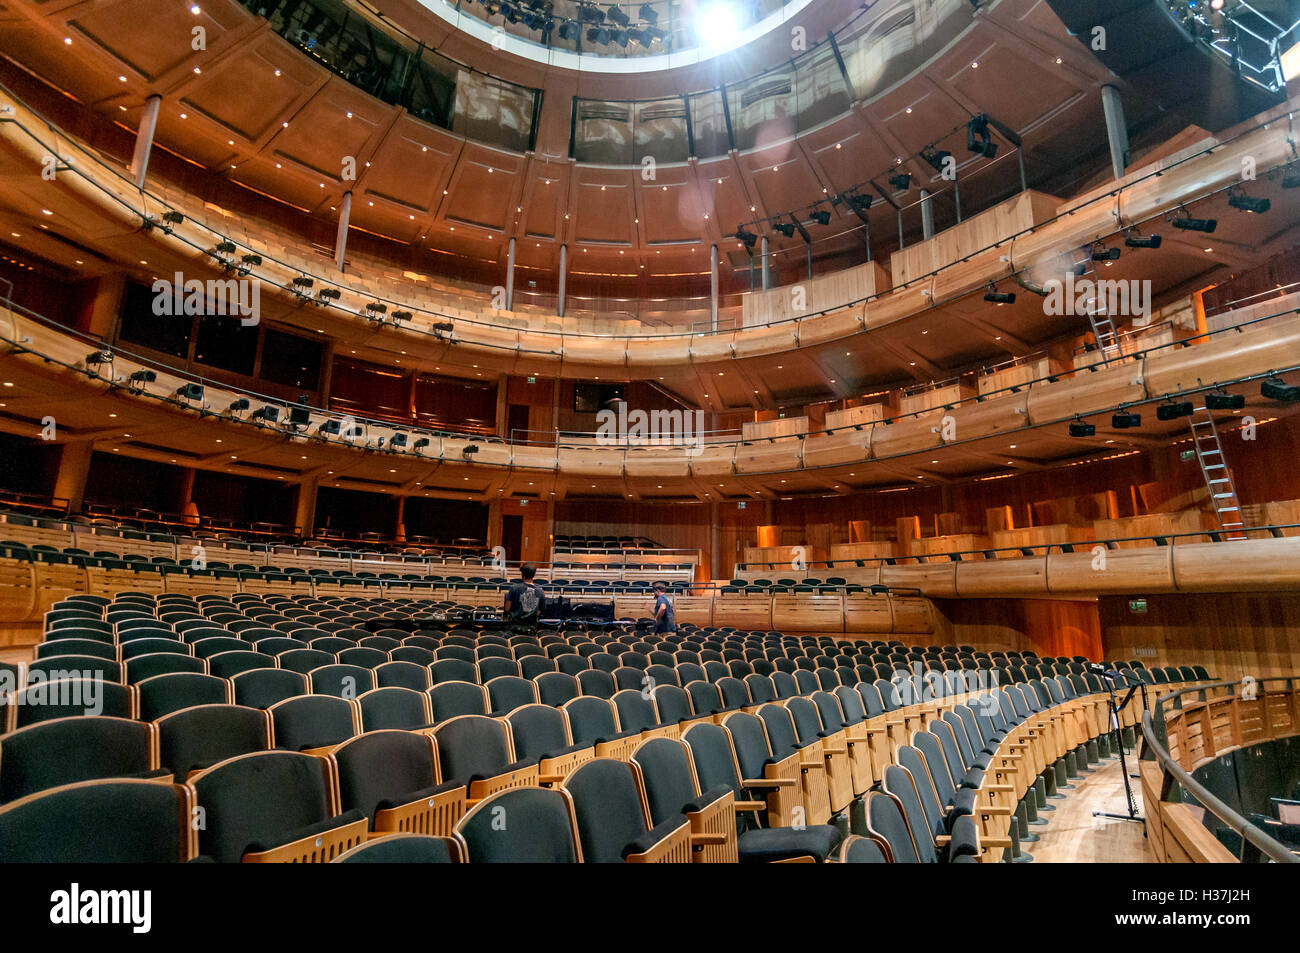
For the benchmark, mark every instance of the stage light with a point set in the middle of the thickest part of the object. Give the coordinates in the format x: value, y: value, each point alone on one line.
x: 173, y: 218
x: 785, y: 228
x: 330, y: 294
x: 901, y: 181
x: 143, y: 377
x: 443, y: 326
x: 591, y: 13
x: 469, y: 451
x: 1174, y: 411
x: 978, y: 139
x: 820, y: 217
x: 190, y: 392
x: 598, y: 35
x: 226, y: 248
x: 1277, y: 389
x: 398, y: 442
x: 619, y: 38
x: 252, y: 260
x: 1291, y: 177
x: 268, y: 413
x: 401, y: 316
x: 104, y: 356
x: 299, y: 416
x: 1104, y: 254
x: 616, y: 14
x: 648, y: 14
x: 1247, y: 203
x: 570, y: 30
x: 937, y: 159
x: 302, y: 281
x: 1082, y: 430
x: 1225, y: 401
x: 329, y: 428
x: 1189, y: 224
x: 1125, y: 421
x: 377, y: 307
x: 993, y: 296
x: 749, y: 238
x: 1135, y: 240
x: 238, y: 405
x: 420, y: 444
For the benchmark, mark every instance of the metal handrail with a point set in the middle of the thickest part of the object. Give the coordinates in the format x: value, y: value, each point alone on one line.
x: 1155, y: 745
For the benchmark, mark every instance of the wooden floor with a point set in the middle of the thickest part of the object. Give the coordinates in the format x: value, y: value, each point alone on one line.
x: 1073, y: 835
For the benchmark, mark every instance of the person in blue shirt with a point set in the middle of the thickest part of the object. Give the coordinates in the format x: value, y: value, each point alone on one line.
x: 665, y: 621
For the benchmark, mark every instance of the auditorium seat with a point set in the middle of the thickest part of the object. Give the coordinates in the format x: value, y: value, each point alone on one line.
x: 199, y: 737
x: 394, y: 778
x: 403, y: 849
x: 613, y: 819
x: 541, y: 828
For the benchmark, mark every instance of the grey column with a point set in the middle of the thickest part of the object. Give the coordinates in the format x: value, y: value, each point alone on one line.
x: 767, y: 266
x: 713, y: 287
x: 510, y: 277
x: 144, y: 139
x: 564, y: 268
x: 1116, y: 130
x: 341, y: 239
x: 927, y: 215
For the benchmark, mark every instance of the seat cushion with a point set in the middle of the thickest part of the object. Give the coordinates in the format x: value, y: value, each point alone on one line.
x: 783, y: 843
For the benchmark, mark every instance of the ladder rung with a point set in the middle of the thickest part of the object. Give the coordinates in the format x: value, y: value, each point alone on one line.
x: 1226, y: 509
x: 1222, y: 496
x: 1224, y: 480
x: 1215, y: 466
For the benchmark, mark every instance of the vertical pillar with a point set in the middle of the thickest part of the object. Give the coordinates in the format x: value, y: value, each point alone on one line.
x: 510, y: 277
x: 399, y: 522
x: 564, y: 273
x: 714, y: 544
x: 144, y: 140
x: 304, y: 507
x: 341, y: 238
x: 713, y: 287
x: 105, y: 306
x: 1116, y: 129
x: 185, y: 497
x: 74, y: 469
x: 767, y: 266
x: 927, y: 215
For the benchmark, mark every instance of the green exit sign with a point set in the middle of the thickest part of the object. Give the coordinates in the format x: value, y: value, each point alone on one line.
x: 1187, y: 455
x: 1137, y: 605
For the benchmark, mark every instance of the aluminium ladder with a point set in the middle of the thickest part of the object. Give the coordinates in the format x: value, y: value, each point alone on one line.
x: 1214, y: 468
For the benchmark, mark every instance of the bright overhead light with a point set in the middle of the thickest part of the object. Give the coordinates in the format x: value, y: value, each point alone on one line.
x: 716, y: 24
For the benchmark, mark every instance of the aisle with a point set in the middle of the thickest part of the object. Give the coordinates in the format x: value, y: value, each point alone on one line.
x: 1073, y: 835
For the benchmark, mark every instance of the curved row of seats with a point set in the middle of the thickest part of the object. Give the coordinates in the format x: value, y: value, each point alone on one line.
x: 859, y: 730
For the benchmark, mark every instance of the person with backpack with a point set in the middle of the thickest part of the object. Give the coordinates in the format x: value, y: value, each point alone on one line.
x: 524, y: 599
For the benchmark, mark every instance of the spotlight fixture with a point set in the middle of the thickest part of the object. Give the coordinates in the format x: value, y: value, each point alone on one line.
x: 173, y: 218
x: 1172, y: 411
x: 1247, y: 203
x: 401, y: 316
x: 993, y: 296
x: 978, y: 139
x: 329, y: 428
x: 820, y: 216
x: 648, y: 14
x: 1080, y: 429
x: 252, y: 260
x: 1189, y: 224
x: 749, y: 238
x: 190, y: 392
x: 398, y: 442
x: 937, y: 159
x: 1135, y: 240
x: 785, y: 228
x: 858, y: 201
x: 469, y: 450
x: 443, y: 326
x: 143, y: 377
x: 420, y: 444
x: 1126, y: 421
x: 598, y: 34
x: 1277, y: 389
x: 94, y: 358
x: 591, y: 13
x: 1101, y: 253
x: 299, y: 416
x: 1291, y: 177
x: 901, y: 181
x: 302, y: 281
x: 268, y: 413
x: 238, y: 405
x: 616, y: 14
x: 1225, y: 401
x: 377, y: 307
x: 330, y: 294
x: 570, y: 30
x: 226, y: 247
x: 619, y: 37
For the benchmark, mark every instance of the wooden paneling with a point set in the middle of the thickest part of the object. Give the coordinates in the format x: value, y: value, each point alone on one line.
x: 1046, y: 626
x: 813, y: 294
x: 1231, y: 634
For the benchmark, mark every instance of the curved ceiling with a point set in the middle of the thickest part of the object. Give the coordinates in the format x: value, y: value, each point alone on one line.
x: 253, y: 111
